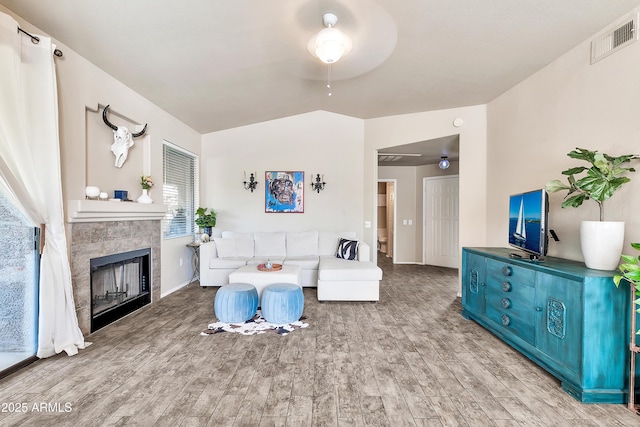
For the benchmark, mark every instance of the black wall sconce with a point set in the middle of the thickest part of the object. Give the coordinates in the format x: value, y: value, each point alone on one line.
x: 319, y: 184
x: 252, y: 183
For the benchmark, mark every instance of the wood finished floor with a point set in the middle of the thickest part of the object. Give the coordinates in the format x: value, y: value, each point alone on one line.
x: 409, y: 360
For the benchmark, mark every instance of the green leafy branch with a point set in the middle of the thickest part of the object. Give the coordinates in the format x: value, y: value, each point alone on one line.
x: 602, y: 179
x: 630, y: 273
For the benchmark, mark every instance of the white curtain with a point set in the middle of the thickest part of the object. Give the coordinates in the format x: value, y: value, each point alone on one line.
x: 30, y: 173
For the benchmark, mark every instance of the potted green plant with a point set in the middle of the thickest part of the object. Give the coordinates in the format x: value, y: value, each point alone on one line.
x: 601, y: 241
x: 206, y: 219
x: 629, y: 271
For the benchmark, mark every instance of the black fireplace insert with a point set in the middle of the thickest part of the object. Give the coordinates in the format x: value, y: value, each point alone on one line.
x: 120, y: 284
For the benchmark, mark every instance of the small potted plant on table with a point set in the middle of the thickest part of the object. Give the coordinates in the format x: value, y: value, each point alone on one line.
x: 206, y: 219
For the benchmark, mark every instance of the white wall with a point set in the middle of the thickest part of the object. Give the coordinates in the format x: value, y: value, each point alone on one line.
x: 86, y: 145
x: 405, y: 129
x: 532, y: 127
x: 317, y: 142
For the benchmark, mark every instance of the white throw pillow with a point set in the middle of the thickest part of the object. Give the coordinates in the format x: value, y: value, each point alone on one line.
x: 270, y: 244
x: 302, y: 243
x: 226, y: 247
x: 244, y: 247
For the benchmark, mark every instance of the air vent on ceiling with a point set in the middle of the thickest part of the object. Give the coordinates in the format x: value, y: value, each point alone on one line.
x: 394, y: 157
x: 389, y: 158
x: 615, y: 39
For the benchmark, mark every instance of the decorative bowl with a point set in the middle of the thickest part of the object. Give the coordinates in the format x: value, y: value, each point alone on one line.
x: 92, y: 191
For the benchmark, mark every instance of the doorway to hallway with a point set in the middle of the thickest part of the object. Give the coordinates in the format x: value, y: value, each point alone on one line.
x: 386, y: 217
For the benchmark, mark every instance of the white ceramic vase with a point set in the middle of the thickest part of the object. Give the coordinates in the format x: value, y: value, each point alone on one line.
x: 601, y: 243
x: 144, y: 198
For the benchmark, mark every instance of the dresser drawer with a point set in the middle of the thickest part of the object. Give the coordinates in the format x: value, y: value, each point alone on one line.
x: 513, y: 272
x: 509, y: 288
x: 518, y: 319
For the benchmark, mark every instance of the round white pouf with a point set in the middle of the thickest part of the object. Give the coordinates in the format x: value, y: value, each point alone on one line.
x: 282, y: 303
x: 235, y: 303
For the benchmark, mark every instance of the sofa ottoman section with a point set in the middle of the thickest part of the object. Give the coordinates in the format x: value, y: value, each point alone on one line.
x: 344, y: 280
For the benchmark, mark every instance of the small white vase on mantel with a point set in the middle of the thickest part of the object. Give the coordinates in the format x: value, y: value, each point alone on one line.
x: 601, y: 243
x: 144, y: 197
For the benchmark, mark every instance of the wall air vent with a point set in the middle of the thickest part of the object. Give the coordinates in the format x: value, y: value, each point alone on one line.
x: 615, y: 39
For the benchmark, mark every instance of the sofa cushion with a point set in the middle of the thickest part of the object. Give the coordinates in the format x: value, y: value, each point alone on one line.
x: 305, y: 262
x: 270, y: 244
x: 226, y: 247
x: 328, y: 241
x: 227, y: 263
x: 303, y: 243
x: 347, y: 249
x: 237, y: 234
x: 231, y: 247
x: 332, y: 268
x: 244, y: 247
x: 263, y: 260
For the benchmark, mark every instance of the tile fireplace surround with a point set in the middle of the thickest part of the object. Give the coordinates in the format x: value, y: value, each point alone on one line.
x: 95, y: 235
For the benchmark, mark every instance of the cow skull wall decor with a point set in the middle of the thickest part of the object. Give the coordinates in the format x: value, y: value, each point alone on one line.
x: 122, y: 139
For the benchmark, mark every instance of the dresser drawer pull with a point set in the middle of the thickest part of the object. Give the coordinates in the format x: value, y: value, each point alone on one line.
x: 506, y: 286
x: 506, y: 270
x: 506, y: 303
x: 505, y: 320
x: 538, y: 308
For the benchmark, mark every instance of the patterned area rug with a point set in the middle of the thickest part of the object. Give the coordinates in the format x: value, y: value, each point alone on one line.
x: 257, y: 325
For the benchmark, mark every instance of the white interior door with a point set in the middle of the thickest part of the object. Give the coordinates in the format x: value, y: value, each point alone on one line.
x: 440, y: 211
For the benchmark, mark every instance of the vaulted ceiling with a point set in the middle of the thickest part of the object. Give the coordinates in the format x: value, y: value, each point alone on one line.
x: 226, y: 63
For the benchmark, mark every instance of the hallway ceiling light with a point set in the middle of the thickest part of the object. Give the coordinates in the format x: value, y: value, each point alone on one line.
x: 444, y: 162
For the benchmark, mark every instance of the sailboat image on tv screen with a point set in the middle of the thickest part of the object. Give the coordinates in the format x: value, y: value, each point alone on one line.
x: 520, y: 233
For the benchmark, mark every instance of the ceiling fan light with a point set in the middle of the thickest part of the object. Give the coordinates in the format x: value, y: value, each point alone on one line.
x: 331, y: 45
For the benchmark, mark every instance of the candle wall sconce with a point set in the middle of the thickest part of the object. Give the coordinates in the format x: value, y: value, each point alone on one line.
x: 319, y: 184
x: 252, y: 183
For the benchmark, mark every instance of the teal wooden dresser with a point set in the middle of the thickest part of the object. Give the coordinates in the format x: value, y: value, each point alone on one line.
x: 569, y: 319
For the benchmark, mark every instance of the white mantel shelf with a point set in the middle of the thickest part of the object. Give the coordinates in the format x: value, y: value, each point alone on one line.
x: 99, y: 210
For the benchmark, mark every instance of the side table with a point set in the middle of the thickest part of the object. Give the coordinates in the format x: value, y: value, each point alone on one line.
x: 195, y: 260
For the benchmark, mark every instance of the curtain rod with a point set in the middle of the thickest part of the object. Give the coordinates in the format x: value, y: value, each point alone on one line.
x: 36, y: 40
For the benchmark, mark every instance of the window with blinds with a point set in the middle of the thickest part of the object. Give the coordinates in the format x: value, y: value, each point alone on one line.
x: 179, y: 190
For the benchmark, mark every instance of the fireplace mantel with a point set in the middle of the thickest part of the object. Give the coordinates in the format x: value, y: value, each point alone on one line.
x: 98, y: 210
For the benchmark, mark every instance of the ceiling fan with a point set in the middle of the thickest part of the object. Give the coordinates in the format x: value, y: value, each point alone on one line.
x: 370, y: 33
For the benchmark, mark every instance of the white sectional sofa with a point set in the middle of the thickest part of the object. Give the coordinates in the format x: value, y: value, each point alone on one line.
x: 314, y: 251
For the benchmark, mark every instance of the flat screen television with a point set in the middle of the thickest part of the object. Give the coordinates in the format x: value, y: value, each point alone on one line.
x: 529, y: 222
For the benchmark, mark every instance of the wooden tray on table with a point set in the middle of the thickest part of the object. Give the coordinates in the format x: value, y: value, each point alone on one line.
x: 274, y: 267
